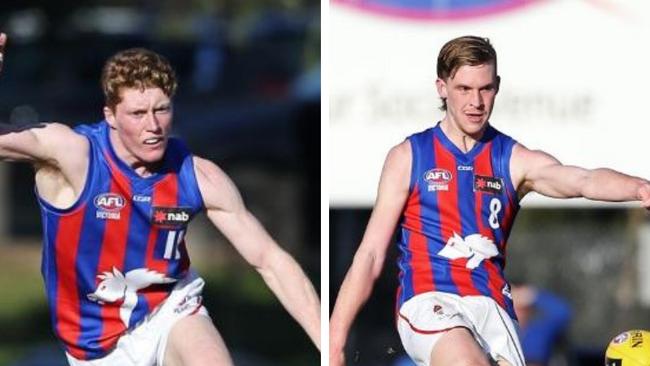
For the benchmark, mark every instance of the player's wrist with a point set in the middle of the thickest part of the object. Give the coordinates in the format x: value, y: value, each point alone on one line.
x: 336, y: 341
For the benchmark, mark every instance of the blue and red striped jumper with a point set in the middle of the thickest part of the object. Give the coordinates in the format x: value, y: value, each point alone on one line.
x: 122, y: 228
x: 457, y: 218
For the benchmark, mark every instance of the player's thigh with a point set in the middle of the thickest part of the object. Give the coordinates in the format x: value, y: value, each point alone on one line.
x: 194, y: 341
x: 458, y: 347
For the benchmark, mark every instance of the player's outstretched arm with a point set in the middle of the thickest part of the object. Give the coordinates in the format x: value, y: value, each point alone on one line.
x: 37, y: 142
x: 25, y: 143
x: 279, y: 270
x: 58, y: 154
x: 19, y: 143
x: 369, y: 258
x: 537, y: 171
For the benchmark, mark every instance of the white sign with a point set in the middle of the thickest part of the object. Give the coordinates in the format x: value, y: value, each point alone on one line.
x: 575, y: 83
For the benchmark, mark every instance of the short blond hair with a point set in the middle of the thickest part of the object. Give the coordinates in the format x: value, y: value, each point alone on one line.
x: 136, y: 68
x: 462, y: 51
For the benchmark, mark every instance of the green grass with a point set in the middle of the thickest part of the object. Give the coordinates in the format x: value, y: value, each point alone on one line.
x: 20, y: 280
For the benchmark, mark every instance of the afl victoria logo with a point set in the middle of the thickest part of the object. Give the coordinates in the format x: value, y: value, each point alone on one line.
x: 109, y: 202
x: 437, y: 176
x: 437, y: 179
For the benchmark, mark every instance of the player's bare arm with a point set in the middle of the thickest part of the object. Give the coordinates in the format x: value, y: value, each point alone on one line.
x: 369, y: 258
x: 537, y: 171
x: 226, y: 210
x: 59, y: 155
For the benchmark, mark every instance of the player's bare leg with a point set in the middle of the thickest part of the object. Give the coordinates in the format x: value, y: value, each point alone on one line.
x: 194, y: 341
x: 458, y: 348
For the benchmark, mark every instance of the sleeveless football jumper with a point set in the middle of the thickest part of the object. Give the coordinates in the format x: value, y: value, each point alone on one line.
x: 457, y: 218
x: 112, y: 257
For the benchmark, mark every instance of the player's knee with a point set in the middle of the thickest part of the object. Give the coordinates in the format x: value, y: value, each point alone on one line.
x: 195, y: 341
x: 475, y: 360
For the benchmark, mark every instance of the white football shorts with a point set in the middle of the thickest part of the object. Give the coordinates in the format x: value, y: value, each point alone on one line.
x: 424, y: 318
x: 145, y: 344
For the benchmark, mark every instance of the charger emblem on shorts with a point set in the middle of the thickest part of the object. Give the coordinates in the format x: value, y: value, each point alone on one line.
x: 188, y: 302
x: 439, y: 312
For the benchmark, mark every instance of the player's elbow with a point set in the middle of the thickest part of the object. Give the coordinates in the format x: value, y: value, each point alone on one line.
x: 371, y: 260
x: 271, y: 260
x: 594, y: 184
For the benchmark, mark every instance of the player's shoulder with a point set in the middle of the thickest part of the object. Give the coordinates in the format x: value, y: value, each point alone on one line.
x: 399, y: 158
x: 400, y: 151
x: 524, y: 154
x: 59, y: 138
x: 208, y: 172
x: 216, y: 187
x: 83, y: 132
x: 52, y: 129
x: 526, y: 162
x: 64, y: 153
x: 521, y: 155
x: 405, y: 147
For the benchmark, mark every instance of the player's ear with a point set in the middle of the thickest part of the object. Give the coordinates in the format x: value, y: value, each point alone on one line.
x: 498, y: 83
x: 441, y: 85
x: 109, y: 115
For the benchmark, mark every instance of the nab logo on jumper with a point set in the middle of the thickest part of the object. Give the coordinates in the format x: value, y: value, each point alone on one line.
x: 106, y: 263
x: 454, y: 228
x: 170, y: 216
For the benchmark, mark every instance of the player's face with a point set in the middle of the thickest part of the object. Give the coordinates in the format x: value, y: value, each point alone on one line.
x: 470, y: 97
x: 140, y: 126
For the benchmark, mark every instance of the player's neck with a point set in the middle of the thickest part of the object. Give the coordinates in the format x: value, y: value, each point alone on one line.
x: 145, y: 170
x: 463, y: 140
x: 141, y: 168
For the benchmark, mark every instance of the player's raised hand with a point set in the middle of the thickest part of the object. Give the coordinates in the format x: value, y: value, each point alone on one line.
x: 3, y: 41
x: 644, y: 196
